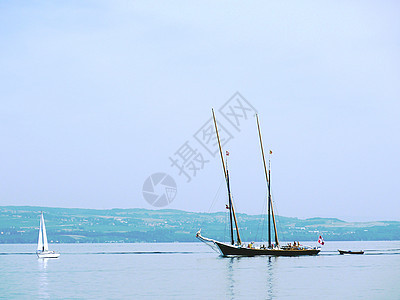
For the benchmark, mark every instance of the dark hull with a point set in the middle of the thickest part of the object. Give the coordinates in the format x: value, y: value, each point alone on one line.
x: 230, y: 250
x: 350, y: 252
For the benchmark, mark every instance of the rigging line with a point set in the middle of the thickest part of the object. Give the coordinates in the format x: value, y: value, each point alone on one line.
x: 226, y: 222
x: 264, y: 215
x: 279, y: 223
x: 216, y: 197
x: 233, y: 204
x: 261, y: 222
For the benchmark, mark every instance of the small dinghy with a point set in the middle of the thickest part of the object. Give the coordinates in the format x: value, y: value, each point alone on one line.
x: 350, y: 252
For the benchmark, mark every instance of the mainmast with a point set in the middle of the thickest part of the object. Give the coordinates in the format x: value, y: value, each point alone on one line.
x: 226, y: 173
x: 230, y: 205
x: 270, y: 207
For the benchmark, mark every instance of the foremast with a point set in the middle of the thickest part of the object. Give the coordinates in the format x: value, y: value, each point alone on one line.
x: 232, y: 214
x: 270, y: 206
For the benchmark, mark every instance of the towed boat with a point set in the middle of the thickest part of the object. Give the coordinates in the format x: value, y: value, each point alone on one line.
x: 43, y: 246
x: 237, y: 248
x: 350, y: 252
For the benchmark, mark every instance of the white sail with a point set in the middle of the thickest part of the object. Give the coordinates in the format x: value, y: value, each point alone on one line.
x: 45, y: 244
x: 40, y: 240
x: 43, y: 247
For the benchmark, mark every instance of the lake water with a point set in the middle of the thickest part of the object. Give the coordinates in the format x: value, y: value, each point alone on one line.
x: 194, y: 271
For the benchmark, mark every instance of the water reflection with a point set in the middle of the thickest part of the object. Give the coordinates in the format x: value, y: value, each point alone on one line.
x: 270, y: 277
x: 252, y: 277
x: 231, y: 279
x: 43, y: 279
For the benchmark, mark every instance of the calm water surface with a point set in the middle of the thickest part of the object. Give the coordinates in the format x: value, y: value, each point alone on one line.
x: 194, y: 271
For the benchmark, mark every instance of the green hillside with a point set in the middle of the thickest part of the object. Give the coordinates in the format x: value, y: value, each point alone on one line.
x: 19, y: 224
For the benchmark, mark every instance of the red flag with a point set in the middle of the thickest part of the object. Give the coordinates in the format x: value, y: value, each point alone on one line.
x: 227, y: 153
x: 321, y: 240
x: 270, y: 151
x: 226, y: 205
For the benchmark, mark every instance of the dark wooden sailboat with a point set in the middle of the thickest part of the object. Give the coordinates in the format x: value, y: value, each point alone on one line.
x: 237, y: 248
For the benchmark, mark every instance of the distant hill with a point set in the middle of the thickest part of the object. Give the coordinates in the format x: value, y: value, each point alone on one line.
x: 19, y: 224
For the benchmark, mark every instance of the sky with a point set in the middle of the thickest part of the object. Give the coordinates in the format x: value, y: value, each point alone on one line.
x: 98, y: 96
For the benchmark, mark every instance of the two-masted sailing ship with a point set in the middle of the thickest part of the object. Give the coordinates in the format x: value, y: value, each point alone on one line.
x: 237, y: 248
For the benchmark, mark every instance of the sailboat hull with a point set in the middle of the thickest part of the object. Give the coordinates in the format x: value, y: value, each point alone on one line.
x: 231, y: 250
x: 47, y: 254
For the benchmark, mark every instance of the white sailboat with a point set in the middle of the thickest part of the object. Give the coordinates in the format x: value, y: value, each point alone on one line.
x: 43, y: 247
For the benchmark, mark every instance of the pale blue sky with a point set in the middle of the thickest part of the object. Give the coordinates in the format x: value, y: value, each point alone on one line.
x: 97, y: 95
